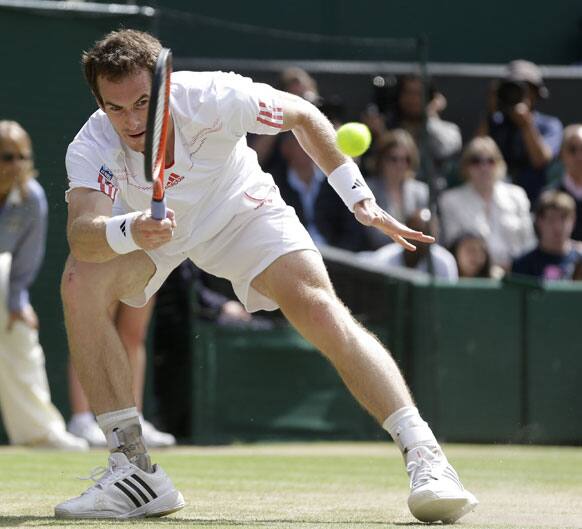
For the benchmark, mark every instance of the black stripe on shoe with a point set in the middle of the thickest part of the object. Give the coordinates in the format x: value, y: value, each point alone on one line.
x: 138, y: 490
x: 128, y: 494
x: 145, y: 486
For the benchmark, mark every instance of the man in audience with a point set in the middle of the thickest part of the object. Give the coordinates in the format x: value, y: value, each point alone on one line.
x: 304, y: 187
x: 528, y: 139
x: 555, y: 256
x: 443, y: 137
x: 571, y: 180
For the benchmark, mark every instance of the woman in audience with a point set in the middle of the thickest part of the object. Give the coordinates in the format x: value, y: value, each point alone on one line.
x: 487, y: 205
x: 472, y: 257
x: 394, y: 186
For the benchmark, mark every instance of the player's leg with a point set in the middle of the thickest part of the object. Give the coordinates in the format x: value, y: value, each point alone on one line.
x: 132, y: 325
x: 89, y: 291
x: 299, y: 284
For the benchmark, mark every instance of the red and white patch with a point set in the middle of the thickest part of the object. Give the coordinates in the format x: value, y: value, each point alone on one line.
x: 106, y: 187
x: 270, y: 115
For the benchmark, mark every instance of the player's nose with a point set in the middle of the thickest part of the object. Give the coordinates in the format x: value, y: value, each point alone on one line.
x: 133, y: 122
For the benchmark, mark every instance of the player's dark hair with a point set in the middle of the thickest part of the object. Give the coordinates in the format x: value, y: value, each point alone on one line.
x: 118, y: 54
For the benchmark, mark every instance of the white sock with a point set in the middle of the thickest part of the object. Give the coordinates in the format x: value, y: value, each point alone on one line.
x: 118, y: 419
x: 122, y: 429
x: 83, y: 417
x: 408, y: 429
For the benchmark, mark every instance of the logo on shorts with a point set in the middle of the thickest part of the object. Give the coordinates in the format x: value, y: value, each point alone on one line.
x: 358, y: 183
x: 122, y: 228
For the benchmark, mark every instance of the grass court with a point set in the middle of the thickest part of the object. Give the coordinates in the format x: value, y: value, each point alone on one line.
x: 307, y: 486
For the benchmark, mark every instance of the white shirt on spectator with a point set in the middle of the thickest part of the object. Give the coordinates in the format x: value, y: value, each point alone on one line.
x: 505, y: 223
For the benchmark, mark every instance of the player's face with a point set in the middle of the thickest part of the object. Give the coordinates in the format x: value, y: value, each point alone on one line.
x: 126, y: 104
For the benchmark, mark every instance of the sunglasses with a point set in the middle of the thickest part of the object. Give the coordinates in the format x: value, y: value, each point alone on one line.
x: 397, y: 159
x: 481, y: 160
x: 11, y: 157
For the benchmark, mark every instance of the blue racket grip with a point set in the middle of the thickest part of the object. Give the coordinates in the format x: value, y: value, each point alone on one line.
x: 159, y: 209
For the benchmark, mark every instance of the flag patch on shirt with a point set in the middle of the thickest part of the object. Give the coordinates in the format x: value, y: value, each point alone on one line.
x: 270, y: 115
x: 106, y: 182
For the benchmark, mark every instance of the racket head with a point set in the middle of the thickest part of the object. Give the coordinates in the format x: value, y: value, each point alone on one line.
x: 157, y: 123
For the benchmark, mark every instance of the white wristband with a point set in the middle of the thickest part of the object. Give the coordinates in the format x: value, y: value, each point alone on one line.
x: 118, y: 232
x: 349, y: 184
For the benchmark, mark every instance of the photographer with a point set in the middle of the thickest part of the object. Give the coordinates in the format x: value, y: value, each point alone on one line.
x: 528, y: 139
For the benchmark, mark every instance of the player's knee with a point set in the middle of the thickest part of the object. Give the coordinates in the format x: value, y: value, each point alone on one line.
x: 325, y: 310
x: 79, y: 287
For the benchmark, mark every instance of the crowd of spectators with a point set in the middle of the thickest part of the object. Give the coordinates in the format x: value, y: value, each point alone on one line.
x: 507, y: 202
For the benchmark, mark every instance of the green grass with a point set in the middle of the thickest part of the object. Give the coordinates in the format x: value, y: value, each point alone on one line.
x: 311, y: 486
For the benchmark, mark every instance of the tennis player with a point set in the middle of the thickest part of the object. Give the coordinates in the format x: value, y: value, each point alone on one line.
x: 226, y: 215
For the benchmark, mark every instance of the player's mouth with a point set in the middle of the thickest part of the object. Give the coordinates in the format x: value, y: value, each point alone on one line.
x: 137, y: 136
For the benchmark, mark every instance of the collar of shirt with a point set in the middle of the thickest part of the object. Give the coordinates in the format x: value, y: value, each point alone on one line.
x: 572, y: 187
x: 14, y: 197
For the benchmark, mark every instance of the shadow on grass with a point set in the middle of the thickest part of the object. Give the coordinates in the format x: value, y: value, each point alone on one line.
x: 41, y: 521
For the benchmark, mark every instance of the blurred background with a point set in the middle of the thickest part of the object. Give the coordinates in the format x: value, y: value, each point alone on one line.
x: 490, y: 359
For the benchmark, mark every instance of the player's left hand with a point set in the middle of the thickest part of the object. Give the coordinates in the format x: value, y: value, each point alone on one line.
x: 370, y: 214
x: 26, y: 316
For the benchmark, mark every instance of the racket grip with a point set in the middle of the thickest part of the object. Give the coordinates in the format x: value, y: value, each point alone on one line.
x: 159, y: 209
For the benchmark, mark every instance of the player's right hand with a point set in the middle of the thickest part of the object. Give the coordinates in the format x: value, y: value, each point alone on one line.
x: 150, y: 233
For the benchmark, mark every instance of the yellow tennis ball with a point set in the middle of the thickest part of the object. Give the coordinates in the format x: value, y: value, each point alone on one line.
x: 353, y: 138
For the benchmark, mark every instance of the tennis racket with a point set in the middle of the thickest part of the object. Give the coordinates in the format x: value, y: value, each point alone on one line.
x: 157, y: 132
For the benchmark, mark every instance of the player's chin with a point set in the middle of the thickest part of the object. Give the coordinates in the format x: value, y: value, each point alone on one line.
x: 136, y: 143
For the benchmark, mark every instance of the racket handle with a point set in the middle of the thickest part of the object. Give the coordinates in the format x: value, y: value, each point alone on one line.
x: 159, y: 209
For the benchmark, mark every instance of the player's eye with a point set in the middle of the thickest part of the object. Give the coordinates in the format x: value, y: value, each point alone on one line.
x: 141, y: 103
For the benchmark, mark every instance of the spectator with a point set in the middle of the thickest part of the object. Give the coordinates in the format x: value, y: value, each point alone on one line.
x: 444, y: 138
x: 29, y: 416
x: 298, y: 82
x: 395, y: 187
x: 304, y: 187
x: 486, y: 205
x: 571, y: 180
x: 528, y: 139
x: 394, y: 256
x: 555, y: 256
x: 472, y: 257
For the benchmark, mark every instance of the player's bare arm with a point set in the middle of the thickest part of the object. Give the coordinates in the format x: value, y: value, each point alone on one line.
x: 317, y: 137
x: 89, y: 212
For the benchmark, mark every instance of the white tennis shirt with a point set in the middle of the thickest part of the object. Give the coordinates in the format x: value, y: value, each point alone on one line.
x: 215, y: 174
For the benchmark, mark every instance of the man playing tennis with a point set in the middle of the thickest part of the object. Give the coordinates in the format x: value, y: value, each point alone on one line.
x: 226, y: 215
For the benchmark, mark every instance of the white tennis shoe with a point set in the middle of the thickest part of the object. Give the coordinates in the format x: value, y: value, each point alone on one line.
x: 124, y: 491
x: 436, y: 493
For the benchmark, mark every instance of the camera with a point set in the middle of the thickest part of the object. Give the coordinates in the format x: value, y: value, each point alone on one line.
x: 509, y: 94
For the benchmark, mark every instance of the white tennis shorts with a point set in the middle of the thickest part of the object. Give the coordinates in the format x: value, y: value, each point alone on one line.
x: 240, y: 252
